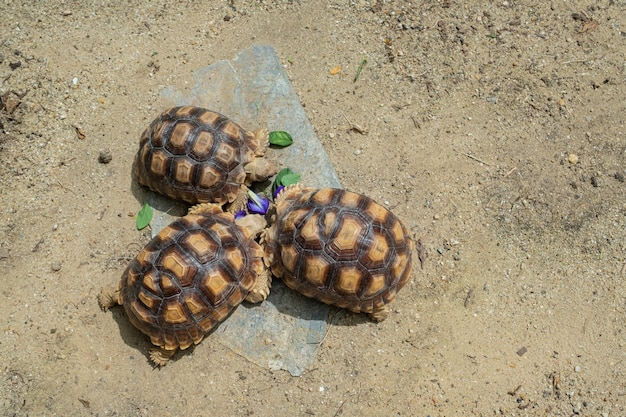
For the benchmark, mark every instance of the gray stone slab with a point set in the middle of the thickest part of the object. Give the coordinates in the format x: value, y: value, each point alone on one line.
x: 254, y: 90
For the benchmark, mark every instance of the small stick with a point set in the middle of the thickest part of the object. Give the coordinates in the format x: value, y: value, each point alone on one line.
x: 37, y: 245
x: 416, y: 123
x: 510, y: 172
x: 63, y: 186
x: 340, y: 407
x: 354, y: 126
x: 576, y: 60
x: 358, y: 71
x: 470, y: 156
x: 421, y: 252
x: 331, y: 323
x: 468, y: 298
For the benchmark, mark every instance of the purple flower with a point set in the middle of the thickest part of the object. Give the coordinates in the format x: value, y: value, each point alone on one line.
x: 240, y: 214
x: 257, y: 204
x: 277, y: 191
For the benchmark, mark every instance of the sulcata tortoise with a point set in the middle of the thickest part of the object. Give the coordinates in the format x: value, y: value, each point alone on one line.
x: 190, y: 277
x: 339, y: 247
x: 196, y: 155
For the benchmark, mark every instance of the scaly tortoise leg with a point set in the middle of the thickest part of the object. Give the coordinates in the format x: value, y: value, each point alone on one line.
x: 379, y: 314
x: 108, y: 297
x: 160, y: 356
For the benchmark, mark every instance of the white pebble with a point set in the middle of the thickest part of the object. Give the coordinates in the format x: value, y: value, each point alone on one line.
x: 357, y: 152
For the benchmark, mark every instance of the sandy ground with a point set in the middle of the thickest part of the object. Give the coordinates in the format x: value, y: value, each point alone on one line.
x: 494, y: 130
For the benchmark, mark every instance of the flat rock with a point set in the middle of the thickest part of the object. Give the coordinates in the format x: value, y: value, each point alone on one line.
x: 253, y: 90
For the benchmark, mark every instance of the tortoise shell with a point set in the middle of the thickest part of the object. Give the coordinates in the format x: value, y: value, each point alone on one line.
x: 196, y: 155
x: 189, y: 278
x: 339, y: 247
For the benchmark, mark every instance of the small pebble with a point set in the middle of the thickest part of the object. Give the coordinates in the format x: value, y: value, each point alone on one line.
x: 105, y: 156
x: 357, y: 152
x: 577, y: 408
x: 577, y: 368
x: 572, y: 158
x: 55, y: 266
x: 619, y: 176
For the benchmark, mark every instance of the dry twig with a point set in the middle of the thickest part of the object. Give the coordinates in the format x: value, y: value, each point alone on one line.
x: 354, y: 126
x: 470, y: 156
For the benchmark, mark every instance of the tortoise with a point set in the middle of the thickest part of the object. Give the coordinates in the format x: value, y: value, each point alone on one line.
x: 190, y: 277
x: 339, y: 247
x: 197, y: 155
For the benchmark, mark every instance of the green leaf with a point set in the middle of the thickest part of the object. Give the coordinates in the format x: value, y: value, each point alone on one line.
x: 289, y: 179
x: 281, y: 174
x: 144, y: 216
x: 279, y: 178
x: 280, y: 138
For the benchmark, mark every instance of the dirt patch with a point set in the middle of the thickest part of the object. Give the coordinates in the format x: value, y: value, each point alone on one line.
x: 494, y: 131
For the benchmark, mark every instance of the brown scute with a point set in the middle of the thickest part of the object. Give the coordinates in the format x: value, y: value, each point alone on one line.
x: 289, y: 258
x: 377, y: 212
x: 160, y: 163
x: 349, y: 280
x: 156, y: 133
x: 148, y: 300
x: 189, y: 278
x: 226, y: 154
x: 174, y: 312
x: 339, y: 247
x: 194, y: 155
x: 350, y: 199
x: 182, y: 134
x: 324, y: 196
x: 179, y: 265
x: 310, y: 233
x: 184, y: 339
x: 377, y: 253
x: 316, y: 269
x: 230, y: 129
x: 194, y: 303
x: 349, y: 237
x: 215, y: 287
x: 210, y: 118
x: 202, y: 146
x: 200, y: 245
x: 235, y: 259
x: 183, y: 171
x: 209, y: 176
x: 169, y: 286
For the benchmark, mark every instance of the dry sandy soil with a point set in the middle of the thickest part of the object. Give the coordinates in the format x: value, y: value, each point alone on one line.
x: 494, y: 130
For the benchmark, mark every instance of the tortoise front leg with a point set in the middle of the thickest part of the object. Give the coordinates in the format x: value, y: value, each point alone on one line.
x: 160, y: 356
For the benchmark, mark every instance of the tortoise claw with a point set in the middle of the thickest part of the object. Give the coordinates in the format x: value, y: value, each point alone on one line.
x: 380, y: 314
x: 261, y: 289
x: 160, y: 356
x: 108, y: 298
